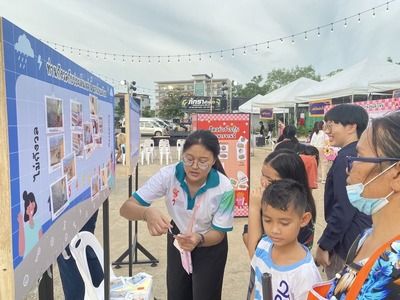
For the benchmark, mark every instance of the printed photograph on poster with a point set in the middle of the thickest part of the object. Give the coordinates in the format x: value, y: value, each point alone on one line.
x: 88, y: 134
x: 104, y: 178
x: 76, y: 115
x: 98, y: 141
x: 95, y: 187
x: 69, y: 166
x: 77, y: 143
x: 241, y: 149
x: 55, y: 144
x: 224, y: 151
x: 54, y: 115
x: 100, y: 125
x: 95, y: 126
x: 92, y: 105
x: 58, y: 197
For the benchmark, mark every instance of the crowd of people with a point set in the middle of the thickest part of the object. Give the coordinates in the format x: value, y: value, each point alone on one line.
x: 359, y: 249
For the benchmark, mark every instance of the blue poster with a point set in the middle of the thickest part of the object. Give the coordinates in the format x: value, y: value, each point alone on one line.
x: 134, y: 132
x: 61, y: 149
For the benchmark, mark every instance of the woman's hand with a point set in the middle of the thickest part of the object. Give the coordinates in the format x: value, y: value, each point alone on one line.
x: 188, y: 241
x: 322, y: 257
x: 157, y: 223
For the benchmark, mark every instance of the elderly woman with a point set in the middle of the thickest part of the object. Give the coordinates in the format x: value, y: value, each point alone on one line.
x: 372, y: 268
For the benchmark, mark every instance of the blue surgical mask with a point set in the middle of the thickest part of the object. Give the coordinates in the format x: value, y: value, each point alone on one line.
x: 368, y: 206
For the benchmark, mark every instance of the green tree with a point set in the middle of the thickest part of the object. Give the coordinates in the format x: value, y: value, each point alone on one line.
x: 119, y: 113
x: 330, y: 74
x: 171, y: 107
x: 251, y: 89
x: 148, y: 113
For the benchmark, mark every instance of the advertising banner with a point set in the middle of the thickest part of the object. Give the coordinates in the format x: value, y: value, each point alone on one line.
x: 266, y: 113
x: 233, y: 132
x: 61, y: 150
x: 377, y: 108
x: 132, y: 117
x: 202, y: 104
x: 317, y: 108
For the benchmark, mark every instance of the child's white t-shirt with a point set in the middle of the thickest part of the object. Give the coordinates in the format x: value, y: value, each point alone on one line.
x: 288, y: 282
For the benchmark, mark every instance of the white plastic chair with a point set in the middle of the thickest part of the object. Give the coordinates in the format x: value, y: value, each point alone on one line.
x: 78, y: 250
x: 179, y: 147
x: 123, y: 149
x: 149, y: 150
x: 164, y: 148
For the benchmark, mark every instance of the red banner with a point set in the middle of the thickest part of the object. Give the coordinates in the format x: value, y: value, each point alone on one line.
x: 233, y: 132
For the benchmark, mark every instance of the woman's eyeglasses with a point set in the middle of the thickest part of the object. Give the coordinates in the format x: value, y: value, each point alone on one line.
x: 203, y: 165
x: 372, y: 160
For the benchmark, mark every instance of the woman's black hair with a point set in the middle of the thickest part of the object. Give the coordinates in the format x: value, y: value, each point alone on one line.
x: 289, y: 165
x: 386, y: 135
x: 28, y: 199
x: 316, y: 128
x: 209, y: 141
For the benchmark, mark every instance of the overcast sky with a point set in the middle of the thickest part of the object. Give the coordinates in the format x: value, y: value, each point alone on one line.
x: 168, y: 27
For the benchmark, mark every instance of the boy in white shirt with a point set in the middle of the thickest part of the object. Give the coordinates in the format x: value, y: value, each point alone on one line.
x: 279, y: 253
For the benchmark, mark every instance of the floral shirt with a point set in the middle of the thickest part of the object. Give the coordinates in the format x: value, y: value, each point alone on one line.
x: 383, y: 281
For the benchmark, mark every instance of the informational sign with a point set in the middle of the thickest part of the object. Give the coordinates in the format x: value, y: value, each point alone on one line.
x: 377, y: 108
x: 132, y: 116
x: 202, y: 104
x: 59, y: 143
x: 266, y: 113
x: 317, y: 108
x: 233, y: 132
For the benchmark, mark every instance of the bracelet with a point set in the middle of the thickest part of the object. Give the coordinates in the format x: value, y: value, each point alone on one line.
x: 201, y: 239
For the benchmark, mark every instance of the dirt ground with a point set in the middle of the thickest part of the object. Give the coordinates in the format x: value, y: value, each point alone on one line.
x: 237, y: 267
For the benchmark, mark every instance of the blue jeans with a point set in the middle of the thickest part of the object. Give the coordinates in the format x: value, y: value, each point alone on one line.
x: 72, y: 282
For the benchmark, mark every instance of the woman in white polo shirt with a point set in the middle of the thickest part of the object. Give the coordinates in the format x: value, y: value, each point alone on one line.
x: 200, y: 200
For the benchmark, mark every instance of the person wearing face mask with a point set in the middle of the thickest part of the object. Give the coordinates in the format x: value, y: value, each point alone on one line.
x: 344, y: 125
x: 200, y: 200
x: 372, y: 269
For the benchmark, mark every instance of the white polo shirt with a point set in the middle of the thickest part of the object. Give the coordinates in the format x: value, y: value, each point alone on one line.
x: 216, y: 198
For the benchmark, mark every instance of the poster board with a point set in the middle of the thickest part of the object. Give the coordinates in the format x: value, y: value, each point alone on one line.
x: 132, y: 130
x: 376, y: 108
x: 266, y: 113
x: 317, y: 108
x: 233, y: 132
x: 57, y: 155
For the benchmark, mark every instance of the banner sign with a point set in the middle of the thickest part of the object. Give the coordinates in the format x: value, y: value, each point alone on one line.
x: 61, y: 150
x: 377, y: 108
x: 317, y: 108
x: 266, y: 113
x: 233, y: 132
x: 132, y: 117
x: 202, y: 104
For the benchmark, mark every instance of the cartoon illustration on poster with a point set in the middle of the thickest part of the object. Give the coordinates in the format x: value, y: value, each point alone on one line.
x: 233, y: 132
x: 61, y: 150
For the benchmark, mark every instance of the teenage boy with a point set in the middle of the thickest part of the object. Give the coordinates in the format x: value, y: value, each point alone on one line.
x: 343, y: 124
x: 290, y: 264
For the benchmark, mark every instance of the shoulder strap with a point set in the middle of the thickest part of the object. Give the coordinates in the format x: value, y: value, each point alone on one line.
x: 364, y: 272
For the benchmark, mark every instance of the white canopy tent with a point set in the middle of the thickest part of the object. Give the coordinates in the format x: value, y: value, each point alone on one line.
x: 286, y: 95
x: 248, y: 106
x: 365, y: 77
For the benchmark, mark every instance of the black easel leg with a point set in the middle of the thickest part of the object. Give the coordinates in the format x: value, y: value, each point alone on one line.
x: 134, y: 245
x: 46, y: 291
x: 106, y: 246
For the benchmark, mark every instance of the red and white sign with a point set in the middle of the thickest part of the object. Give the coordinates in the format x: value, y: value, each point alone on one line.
x: 233, y: 132
x: 376, y: 108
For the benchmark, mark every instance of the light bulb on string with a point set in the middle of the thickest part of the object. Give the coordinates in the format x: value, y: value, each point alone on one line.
x: 168, y: 59
x: 159, y: 60
x: 123, y: 57
x: 105, y: 56
x: 345, y: 22
x: 132, y: 59
x: 387, y: 6
x: 87, y: 53
x: 292, y: 39
x: 55, y: 46
x: 139, y: 60
x: 233, y: 52
x: 70, y: 50
x: 62, y: 48
x: 305, y: 35
x: 97, y: 55
x: 359, y: 18
x: 331, y: 27
x: 179, y: 58
x: 268, y: 45
x: 373, y: 12
x: 221, y: 56
x: 190, y: 58
x: 209, y: 56
x: 244, y: 50
x: 199, y: 56
x: 256, y: 47
x: 79, y: 52
x: 319, y: 32
x: 281, y: 40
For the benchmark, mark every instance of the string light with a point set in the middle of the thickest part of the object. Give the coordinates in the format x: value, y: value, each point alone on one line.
x: 139, y: 60
x: 243, y: 48
x: 179, y: 58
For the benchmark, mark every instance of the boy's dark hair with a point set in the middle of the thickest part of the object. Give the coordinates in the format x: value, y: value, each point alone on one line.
x: 281, y: 194
x: 347, y: 114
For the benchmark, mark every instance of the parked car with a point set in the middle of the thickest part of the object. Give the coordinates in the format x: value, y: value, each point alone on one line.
x: 151, y: 128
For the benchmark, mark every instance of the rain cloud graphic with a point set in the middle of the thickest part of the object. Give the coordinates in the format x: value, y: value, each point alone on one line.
x: 24, y: 50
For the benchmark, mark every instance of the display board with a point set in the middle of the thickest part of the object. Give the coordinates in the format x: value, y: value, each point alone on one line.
x: 377, y: 108
x: 316, y: 108
x: 233, y: 132
x: 266, y: 113
x: 132, y: 117
x: 58, y: 141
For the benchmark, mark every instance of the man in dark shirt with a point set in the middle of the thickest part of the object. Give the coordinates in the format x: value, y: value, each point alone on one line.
x: 262, y: 128
x: 344, y: 125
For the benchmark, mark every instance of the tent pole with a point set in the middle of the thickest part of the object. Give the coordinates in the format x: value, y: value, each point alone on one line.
x: 352, y: 98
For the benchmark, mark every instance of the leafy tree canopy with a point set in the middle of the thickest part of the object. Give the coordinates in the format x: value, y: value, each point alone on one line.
x: 171, y: 106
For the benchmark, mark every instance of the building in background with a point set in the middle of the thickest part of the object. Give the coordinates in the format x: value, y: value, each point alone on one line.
x: 201, y: 85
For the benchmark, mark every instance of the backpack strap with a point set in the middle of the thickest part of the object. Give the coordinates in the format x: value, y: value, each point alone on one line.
x: 364, y: 272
